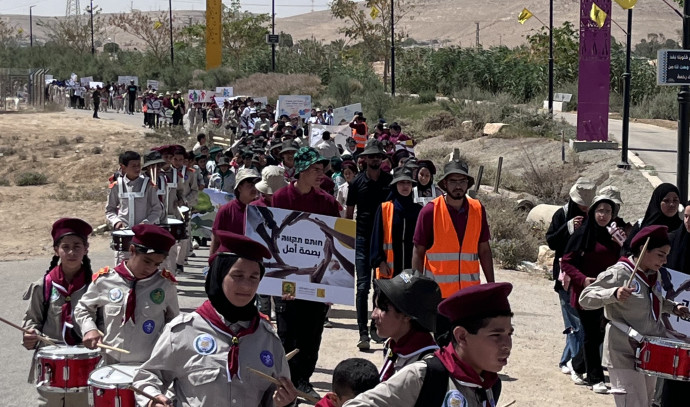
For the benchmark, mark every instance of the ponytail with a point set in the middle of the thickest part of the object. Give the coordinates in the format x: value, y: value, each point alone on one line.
x: 86, y: 266
x: 53, y: 263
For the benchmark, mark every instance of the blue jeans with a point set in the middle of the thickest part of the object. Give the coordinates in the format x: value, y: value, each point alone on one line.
x: 573, y: 329
x: 363, y: 271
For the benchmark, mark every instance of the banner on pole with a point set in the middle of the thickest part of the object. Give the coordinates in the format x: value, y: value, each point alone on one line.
x: 344, y: 114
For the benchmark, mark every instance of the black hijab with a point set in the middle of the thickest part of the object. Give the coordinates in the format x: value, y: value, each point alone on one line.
x: 586, y: 236
x: 654, y: 215
x: 678, y: 259
x: 220, y: 267
x: 574, y: 210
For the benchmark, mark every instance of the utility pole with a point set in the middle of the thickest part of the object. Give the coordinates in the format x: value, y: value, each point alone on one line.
x: 684, y: 117
x: 273, y: 32
x: 393, y: 48
x: 551, y: 58
x: 626, y: 96
x: 477, y: 35
x: 93, y: 48
x: 172, y: 49
x: 31, y: 26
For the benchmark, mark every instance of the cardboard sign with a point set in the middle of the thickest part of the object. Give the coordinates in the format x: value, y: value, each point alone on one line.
x: 345, y: 113
x: 313, y: 255
x: 339, y: 134
x: 127, y: 79
x: 225, y: 92
x: 153, y: 84
x: 294, y: 105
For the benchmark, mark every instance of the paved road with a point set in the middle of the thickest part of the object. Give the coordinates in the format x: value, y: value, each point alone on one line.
x: 656, y: 146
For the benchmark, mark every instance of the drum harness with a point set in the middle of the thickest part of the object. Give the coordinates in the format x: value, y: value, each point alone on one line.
x: 130, y: 196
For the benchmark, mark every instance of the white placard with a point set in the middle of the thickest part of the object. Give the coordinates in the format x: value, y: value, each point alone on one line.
x: 345, y: 113
x: 339, y: 134
x: 200, y: 96
x: 94, y: 85
x: 85, y: 80
x: 675, y: 286
x: 153, y: 84
x: 225, y: 92
x: 295, y: 105
x: 261, y: 99
x: 313, y: 255
x: 127, y: 79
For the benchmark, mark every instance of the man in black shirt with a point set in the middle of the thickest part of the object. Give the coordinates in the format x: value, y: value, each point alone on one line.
x: 367, y: 191
x: 131, y: 96
x: 96, y: 96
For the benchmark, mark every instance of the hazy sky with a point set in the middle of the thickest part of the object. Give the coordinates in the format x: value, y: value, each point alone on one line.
x: 284, y: 8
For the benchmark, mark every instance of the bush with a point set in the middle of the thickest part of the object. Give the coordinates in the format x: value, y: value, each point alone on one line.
x: 512, y: 239
x: 30, y: 178
x: 439, y: 121
x: 427, y: 96
x: 62, y: 141
x: 663, y: 105
x: 4, y: 182
x: 79, y: 139
x: 274, y: 84
x: 7, y: 151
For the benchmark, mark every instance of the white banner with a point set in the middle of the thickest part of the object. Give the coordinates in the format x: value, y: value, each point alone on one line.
x: 339, y: 134
x: 94, y: 85
x: 313, y: 255
x: 153, y: 84
x: 261, y: 99
x: 126, y: 79
x: 225, y: 92
x: 85, y: 80
x: 345, y: 113
x: 200, y: 96
x: 675, y: 286
x: 295, y: 105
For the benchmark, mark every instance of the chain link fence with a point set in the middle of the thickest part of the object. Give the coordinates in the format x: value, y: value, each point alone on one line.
x: 22, y: 89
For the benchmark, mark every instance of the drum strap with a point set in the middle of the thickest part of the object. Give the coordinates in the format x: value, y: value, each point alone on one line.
x: 628, y: 330
x: 125, y: 193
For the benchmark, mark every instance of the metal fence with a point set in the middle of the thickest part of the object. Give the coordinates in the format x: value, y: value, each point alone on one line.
x: 22, y: 89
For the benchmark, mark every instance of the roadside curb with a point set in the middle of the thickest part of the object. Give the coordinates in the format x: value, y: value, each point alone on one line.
x: 640, y: 166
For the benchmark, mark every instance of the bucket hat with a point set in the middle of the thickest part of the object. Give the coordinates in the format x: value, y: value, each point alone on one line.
x: 373, y: 147
x: 306, y: 157
x: 288, y: 146
x: 152, y: 158
x: 457, y: 167
x: 272, y: 179
x: 402, y: 174
x: 245, y: 174
x: 583, y: 191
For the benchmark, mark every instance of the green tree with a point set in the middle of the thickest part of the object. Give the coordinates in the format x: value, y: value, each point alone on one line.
x: 73, y: 33
x: 154, y: 31
x: 10, y: 35
x: 243, y: 32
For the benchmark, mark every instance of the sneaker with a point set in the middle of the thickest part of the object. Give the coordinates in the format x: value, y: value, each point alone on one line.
x: 179, y: 269
x: 600, y: 388
x: 577, y: 378
x: 363, y: 343
x: 565, y: 369
x: 306, y: 387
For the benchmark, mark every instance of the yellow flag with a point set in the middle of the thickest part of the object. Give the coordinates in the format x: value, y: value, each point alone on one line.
x: 597, y: 15
x: 157, y: 25
x: 374, y: 13
x: 626, y: 4
x: 20, y: 31
x: 524, y: 16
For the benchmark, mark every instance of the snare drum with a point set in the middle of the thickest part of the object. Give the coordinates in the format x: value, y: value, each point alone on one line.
x: 109, y: 387
x: 176, y: 227
x: 184, y: 211
x: 62, y: 369
x: 664, y: 357
x: 121, y: 240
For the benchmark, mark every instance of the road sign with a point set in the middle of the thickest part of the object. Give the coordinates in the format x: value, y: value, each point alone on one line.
x: 272, y: 39
x: 673, y: 67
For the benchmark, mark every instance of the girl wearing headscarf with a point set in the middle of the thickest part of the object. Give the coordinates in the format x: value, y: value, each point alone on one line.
x: 425, y: 191
x: 638, y: 305
x: 590, y: 251
x: 206, y: 354
x: 53, y: 298
x: 662, y: 210
x: 394, y: 226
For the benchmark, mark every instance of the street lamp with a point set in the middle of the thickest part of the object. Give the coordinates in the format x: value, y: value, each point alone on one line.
x: 273, y: 32
x: 31, y: 26
x: 93, y: 48
x: 392, y: 49
x: 172, y: 49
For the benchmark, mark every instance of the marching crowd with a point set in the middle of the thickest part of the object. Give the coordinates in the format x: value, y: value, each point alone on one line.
x: 421, y: 242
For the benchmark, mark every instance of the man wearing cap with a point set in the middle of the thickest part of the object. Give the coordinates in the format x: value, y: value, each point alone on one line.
x: 451, y: 239
x: 300, y: 322
x: 136, y: 299
x: 367, y: 191
x: 464, y: 372
x: 287, y: 159
x: 231, y: 216
x: 564, y: 223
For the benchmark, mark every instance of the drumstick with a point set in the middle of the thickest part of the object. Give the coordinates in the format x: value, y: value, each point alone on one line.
x: 120, y: 371
x: 637, y: 263
x: 104, y: 346
x: 148, y: 396
x: 292, y: 354
x: 278, y: 383
x: 41, y: 338
x: 511, y: 403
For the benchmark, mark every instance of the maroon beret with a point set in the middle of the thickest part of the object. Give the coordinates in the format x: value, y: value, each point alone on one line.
x: 657, y: 234
x: 476, y: 302
x: 153, y: 237
x: 178, y: 149
x: 241, y: 246
x: 70, y: 226
x: 166, y: 149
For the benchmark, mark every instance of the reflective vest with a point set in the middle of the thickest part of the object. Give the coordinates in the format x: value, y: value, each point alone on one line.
x: 387, y: 209
x: 453, y: 266
x: 361, y: 139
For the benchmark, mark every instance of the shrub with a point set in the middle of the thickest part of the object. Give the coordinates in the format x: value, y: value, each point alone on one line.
x: 274, y: 84
x: 97, y: 150
x: 30, y: 178
x: 427, y: 96
x: 79, y: 139
x: 512, y: 239
x: 439, y: 121
x: 7, y: 151
x: 4, y: 182
x: 62, y: 141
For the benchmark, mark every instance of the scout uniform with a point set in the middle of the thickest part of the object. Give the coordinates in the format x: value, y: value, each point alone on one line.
x: 639, y: 316
x: 51, y: 301
x: 134, y: 310
x: 190, y: 195
x: 445, y: 379
x: 206, y: 357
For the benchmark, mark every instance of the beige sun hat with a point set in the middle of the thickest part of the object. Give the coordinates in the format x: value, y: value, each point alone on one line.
x: 612, y: 193
x: 272, y: 179
x: 583, y: 191
x: 247, y: 174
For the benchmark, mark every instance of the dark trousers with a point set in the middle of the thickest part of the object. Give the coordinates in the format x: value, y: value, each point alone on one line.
x: 594, y: 338
x: 177, y: 118
x: 95, y: 110
x: 300, y: 325
x: 130, y: 103
x: 363, y: 272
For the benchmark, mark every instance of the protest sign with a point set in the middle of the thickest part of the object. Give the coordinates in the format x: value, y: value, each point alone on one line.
x: 313, y: 255
x: 153, y: 84
x: 345, y: 113
x: 209, y: 201
x: 676, y: 287
x: 200, y: 96
x: 85, y: 80
x: 261, y: 99
x: 225, y: 92
x: 127, y: 79
x: 339, y: 134
x: 94, y: 85
x: 294, y: 105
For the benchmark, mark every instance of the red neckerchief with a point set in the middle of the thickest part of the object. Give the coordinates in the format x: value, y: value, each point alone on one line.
x: 211, y: 316
x: 327, y: 401
x: 411, y: 342
x: 650, y: 281
x: 463, y: 372
x: 57, y: 278
x: 122, y: 270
